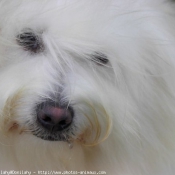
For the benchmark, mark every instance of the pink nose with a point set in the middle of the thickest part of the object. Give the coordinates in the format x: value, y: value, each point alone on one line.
x: 55, y: 118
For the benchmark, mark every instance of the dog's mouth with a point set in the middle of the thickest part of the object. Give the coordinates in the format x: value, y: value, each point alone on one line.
x: 49, y: 136
x: 53, y: 122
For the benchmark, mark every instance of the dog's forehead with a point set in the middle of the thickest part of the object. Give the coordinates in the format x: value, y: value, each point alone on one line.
x: 58, y: 17
x: 62, y: 2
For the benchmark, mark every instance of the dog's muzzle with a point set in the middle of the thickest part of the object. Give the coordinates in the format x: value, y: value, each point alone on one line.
x: 53, y: 121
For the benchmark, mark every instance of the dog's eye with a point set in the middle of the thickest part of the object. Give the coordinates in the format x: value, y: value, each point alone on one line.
x: 30, y: 42
x: 99, y: 58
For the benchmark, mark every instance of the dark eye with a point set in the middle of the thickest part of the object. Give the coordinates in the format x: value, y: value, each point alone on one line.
x: 100, y: 58
x: 30, y: 41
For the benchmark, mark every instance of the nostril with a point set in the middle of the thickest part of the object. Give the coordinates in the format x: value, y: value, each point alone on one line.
x: 63, y: 122
x: 55, y: 118
x: 46, y: 118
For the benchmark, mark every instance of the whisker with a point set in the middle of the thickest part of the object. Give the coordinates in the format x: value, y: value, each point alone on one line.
x: 97, y: 127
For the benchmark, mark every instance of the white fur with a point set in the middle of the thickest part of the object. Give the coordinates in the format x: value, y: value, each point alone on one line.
x: 132, y: 97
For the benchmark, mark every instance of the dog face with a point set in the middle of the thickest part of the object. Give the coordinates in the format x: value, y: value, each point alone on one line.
x: 54, y: 74
x: 81, y: 72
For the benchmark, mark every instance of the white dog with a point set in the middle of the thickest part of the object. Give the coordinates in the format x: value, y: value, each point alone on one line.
x: 87, y: 85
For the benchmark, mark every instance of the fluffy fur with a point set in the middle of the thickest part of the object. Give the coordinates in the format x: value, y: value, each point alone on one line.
x: 124, y: 120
